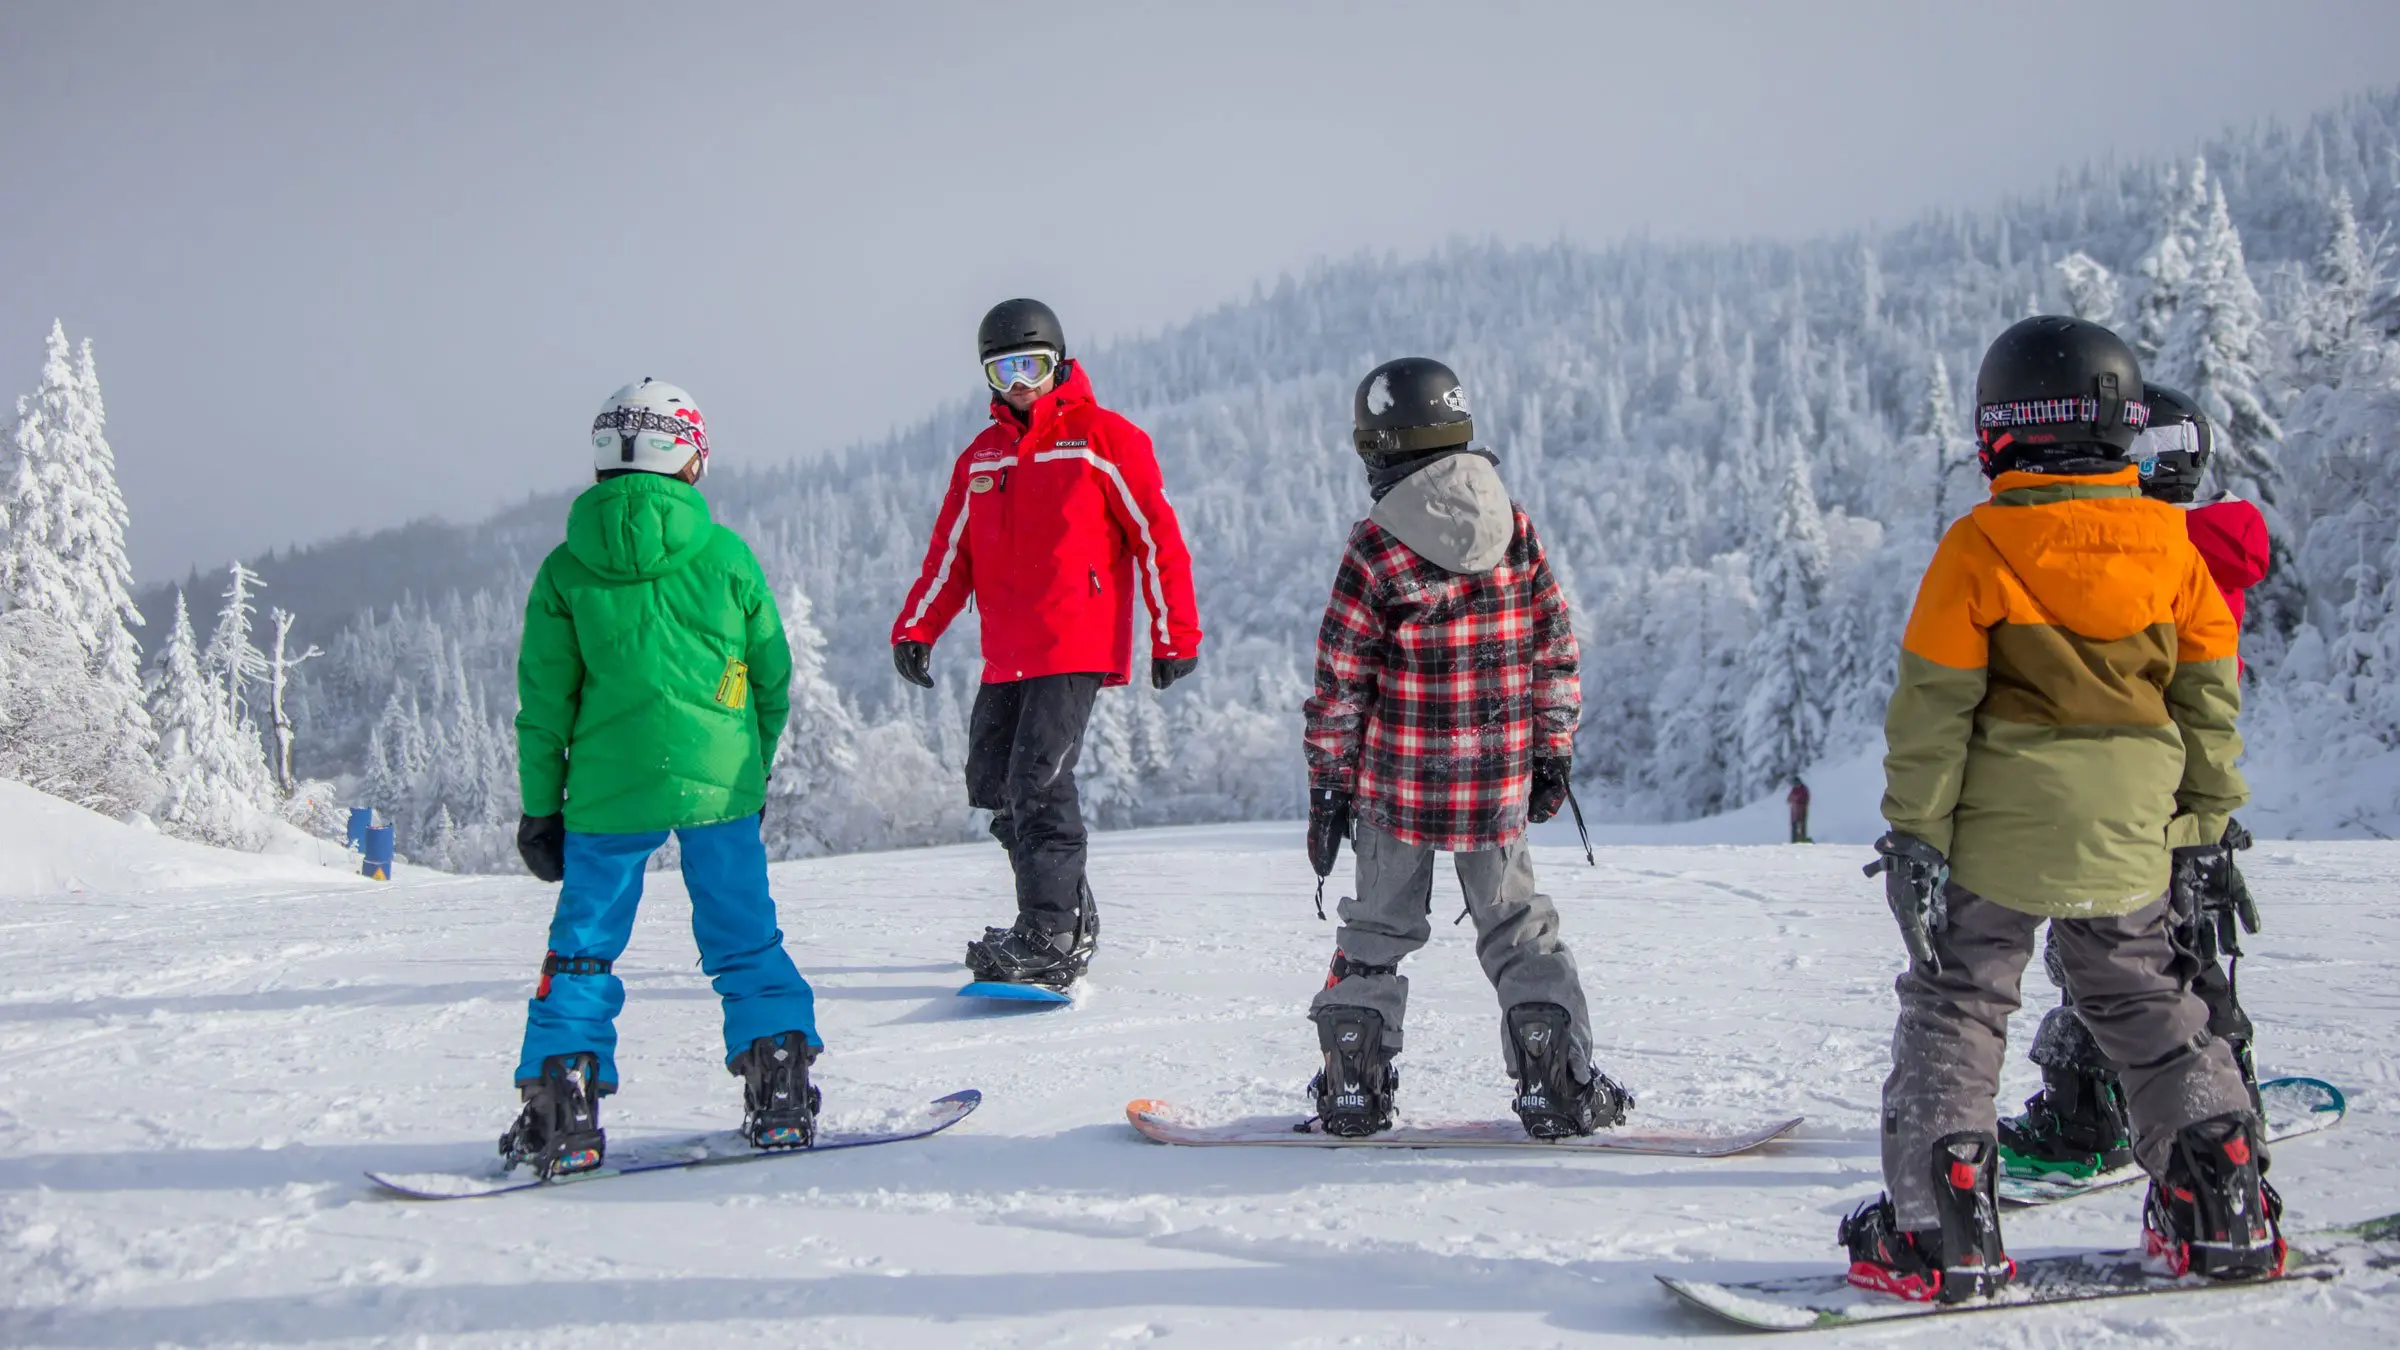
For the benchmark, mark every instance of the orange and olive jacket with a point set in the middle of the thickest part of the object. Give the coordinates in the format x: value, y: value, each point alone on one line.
x: 2065, y: 708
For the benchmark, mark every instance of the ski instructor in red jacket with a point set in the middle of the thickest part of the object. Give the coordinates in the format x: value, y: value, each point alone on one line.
x: 1054, y: 522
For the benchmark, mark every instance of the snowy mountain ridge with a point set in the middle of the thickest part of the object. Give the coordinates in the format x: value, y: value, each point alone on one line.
x: 1739, y: 454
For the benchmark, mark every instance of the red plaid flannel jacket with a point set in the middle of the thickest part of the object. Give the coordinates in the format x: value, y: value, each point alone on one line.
x: 1435, y: 690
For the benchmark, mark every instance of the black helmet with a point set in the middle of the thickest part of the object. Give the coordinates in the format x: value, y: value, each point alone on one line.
x: 1014, y: 325
x: 2057, y: 395
x: 2173, y: 450
x: 1407, y: 406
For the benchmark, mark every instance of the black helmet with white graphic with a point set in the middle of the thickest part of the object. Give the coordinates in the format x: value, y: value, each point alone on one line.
x: 1408, y: 406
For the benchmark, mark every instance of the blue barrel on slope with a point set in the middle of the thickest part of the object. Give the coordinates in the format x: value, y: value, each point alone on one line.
x: 361, y: 819
x: 378, y: 851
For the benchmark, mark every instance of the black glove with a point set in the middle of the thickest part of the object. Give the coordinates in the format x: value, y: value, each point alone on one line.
x: 1549, y: 787
x: 1914, y: 875
x: 1166, y: 670
x: 1328, y: 826
x: 914, y: 661
x: 542, y: 843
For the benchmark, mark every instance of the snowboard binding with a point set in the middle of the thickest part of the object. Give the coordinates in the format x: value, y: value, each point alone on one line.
x: 2213, y: 1214
x: 2076, y: 1126
x: 1025, y: 954
x: 1355, y: 1090
x: 1960, y: 1260
x: 779, y: 1104
x: 1550, y: 1102
x: 558, y: 1132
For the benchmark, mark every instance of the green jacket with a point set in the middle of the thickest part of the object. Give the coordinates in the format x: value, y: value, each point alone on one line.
x: 653, y: 681
x: 2065, y: 709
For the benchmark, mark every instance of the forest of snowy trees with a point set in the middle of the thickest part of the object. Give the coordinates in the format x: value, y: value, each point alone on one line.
x: 1740, y: 455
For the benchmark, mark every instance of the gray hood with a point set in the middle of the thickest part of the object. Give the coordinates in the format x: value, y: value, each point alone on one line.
x: 1453, y: 512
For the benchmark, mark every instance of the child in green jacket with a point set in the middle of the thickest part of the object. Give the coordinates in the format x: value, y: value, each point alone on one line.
x: 652, y: 689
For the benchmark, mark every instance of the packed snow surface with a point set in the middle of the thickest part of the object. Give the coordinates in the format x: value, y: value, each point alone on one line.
x: 194, y: 1077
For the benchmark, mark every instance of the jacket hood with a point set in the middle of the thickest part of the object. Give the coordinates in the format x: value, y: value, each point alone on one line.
x: 2090, y: 548
x: 1071, y: 388
x: 1454, y: 513
x: 638, y: 527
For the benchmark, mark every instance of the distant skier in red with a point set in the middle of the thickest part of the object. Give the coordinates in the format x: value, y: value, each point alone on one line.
x: 1797, y: 800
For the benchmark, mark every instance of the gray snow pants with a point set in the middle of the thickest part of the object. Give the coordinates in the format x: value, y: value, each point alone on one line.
x: 2133, y: 990
x: 1516, y: 937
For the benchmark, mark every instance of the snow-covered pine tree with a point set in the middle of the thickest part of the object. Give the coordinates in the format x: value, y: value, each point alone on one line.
x: 2092, y: 293
x: 2167, y: 267
x: 62, y: 554
x: 1108, y: 777
x: 1948, y: 449
x: 1783, y: 713
x: 210, y: 790
x: 809, y: 807
x: 2342, y: 280
x: 2214, y: 352
x: 232, y: 657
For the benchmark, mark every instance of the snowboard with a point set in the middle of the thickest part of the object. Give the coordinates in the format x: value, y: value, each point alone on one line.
x: 2295, y: 1106
x: 1040, y: 994
x: 1814, y: 1302
x: 1168, y: 1123
x: 722, y: 1148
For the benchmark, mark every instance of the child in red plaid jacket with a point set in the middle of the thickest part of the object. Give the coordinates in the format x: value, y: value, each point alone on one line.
x: 1444, y: 719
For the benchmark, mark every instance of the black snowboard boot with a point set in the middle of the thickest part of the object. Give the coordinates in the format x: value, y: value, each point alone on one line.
x: 1025, y: 954
x: 2213, y: 1213
x: 1961, y: 1259
x: 2075, y: 1126
x: 1549, y: 1100
x: 558, y: 1132
x: 1354, y: 1092
x: 779, y: 1104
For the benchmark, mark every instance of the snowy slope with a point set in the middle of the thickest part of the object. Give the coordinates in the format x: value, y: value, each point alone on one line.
x: 49, y: 846
x: 192, y: 1080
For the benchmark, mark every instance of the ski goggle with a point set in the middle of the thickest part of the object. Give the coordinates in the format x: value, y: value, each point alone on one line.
x: 1010, y: 369
x: 2176, y: 438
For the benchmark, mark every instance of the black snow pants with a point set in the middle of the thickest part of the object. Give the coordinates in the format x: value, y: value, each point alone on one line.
x: 1022, y: 743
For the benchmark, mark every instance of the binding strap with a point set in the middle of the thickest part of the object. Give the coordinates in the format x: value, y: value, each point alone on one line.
x: 554, y: 964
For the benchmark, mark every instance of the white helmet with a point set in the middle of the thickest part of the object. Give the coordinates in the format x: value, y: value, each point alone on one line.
x: 652, y: 426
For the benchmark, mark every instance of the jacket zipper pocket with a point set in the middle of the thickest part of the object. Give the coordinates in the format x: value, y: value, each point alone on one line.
x: 733, y: 687
x: 1096, y: 582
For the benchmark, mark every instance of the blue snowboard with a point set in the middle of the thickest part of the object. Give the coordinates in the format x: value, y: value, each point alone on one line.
x: 1040, y: 994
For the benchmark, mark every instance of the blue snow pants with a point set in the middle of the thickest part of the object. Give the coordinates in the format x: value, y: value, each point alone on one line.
x: 733, y: 919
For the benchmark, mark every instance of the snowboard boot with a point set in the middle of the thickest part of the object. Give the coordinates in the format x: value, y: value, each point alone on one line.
x: 1961, y: 1259
x: 779, y: 1104
x: 2213, y: 1214
x: 1551, y: 1103
x: 1025, y: 954
x: 2075, y: 1126
x: 558, y: 1132
x: 1354, y: 1092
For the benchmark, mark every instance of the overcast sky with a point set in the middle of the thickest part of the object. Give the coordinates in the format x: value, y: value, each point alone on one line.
x: 347, y: 265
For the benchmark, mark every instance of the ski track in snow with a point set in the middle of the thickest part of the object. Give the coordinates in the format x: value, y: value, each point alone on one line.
x: 193, y: 1080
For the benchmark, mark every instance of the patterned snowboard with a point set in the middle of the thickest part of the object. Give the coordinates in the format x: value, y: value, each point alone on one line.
x: 1168, y: 1123
x: 2295, y: 1106
x: 1016, y: 993
x: 1815, y: 1302
x: 723, y: 1148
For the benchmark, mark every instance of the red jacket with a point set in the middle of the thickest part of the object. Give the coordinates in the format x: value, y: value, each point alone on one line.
x: 1054, y: 525
x: 2232, y: 537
